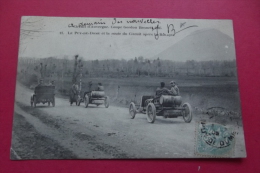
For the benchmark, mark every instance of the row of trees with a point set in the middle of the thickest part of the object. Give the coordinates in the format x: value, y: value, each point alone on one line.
x: 138, y: 66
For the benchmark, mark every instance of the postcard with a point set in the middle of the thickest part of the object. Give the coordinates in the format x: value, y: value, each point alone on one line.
x: 126, y: 88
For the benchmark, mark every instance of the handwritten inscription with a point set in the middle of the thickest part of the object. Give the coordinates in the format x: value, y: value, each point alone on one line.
x: 171, y: 31
x: 144, y: 21
x: 158, y: 29
x: 85, y: 25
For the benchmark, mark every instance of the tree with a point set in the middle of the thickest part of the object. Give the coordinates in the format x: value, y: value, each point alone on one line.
x: 41, y: 71
x: 140, y: 59
x: 45, y: 70
x: 136, y: 62
x: 74, y: 79
x: 158, y: 67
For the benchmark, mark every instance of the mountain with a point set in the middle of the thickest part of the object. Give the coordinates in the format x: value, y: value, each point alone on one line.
x: 210, y: 44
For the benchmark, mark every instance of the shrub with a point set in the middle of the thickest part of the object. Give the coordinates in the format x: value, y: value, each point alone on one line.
x: 29, y: 80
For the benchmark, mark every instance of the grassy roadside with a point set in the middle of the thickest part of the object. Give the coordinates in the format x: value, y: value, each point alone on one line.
x: 28, y: 143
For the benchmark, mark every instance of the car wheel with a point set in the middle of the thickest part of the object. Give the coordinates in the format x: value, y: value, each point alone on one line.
x: 31, y: 101
x: 34, y: 101
x: 78, y: 102
x: 86, y: 101
x: 132, y: 110
x: 106, y: 101
x: 53, y: 102
x: 187, y: 112
x: 151, y: 113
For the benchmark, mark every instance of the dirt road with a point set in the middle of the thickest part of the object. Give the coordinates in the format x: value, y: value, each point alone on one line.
x: 99, y: 132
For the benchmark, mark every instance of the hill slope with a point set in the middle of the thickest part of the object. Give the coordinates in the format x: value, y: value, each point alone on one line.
x: 209, y: 44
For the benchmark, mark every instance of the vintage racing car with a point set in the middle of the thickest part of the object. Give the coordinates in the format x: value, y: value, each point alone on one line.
x: 95, y: 97
x: 167, y: 106
x: 43, y: 94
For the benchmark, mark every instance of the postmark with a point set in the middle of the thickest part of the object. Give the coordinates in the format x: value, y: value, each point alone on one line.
x: 214, y: 140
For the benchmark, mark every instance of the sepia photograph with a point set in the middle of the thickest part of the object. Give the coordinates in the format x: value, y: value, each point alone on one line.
x: 126, y: 88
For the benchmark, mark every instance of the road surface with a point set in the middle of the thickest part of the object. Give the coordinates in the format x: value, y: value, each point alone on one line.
x: 66, y: 131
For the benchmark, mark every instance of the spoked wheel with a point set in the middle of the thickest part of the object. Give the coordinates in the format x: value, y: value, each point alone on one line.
x: 31, y: 102
x: 86, y: 101
x: 53, y: 102
x: 70, y: 101
x: 78, y: 101
x: 187, y: 112
x: 106, y: 101
x: 151, y: 113
x: 132, y: 110
x: 34, y: 101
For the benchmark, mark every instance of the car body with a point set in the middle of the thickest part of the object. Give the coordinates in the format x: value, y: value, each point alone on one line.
x: 96, y: 98
x: 43, y: 94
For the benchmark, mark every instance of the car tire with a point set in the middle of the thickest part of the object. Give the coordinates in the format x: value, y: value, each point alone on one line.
x: 53, y: 102
x: 78, y: 102
x: 132, y: 110
x: 31, y: 101
x: 187, y: 113
x: 86, y: 101
x: 106, y: 102
x: 151, y: 113
x: 34, y: 101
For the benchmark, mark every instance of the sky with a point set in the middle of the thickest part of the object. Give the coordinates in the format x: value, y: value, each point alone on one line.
x: 50, y: 43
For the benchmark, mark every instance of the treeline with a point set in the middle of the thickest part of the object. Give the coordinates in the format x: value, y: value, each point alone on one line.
x: 136, y: 67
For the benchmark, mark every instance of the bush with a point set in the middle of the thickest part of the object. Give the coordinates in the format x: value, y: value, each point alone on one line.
x: 28, y: 80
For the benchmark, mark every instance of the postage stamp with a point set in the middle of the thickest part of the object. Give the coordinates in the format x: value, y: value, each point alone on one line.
x: 214, y: 140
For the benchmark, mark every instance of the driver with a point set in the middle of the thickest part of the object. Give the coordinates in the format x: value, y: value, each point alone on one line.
x: 40, y: 83
x: 162, y: 90
x: 89, y: 88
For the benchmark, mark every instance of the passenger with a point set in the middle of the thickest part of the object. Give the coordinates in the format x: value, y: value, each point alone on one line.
x: 162, y: 90
x: 89, y: 88
x: 40, y: 83
x: 174, y: 89
x: 100, y: 87
x: 52, y: 83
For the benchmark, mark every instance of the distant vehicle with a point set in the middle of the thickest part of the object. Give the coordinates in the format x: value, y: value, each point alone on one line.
x: 166, y: 105
x: 96, y: 98
x: 43, y: 94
